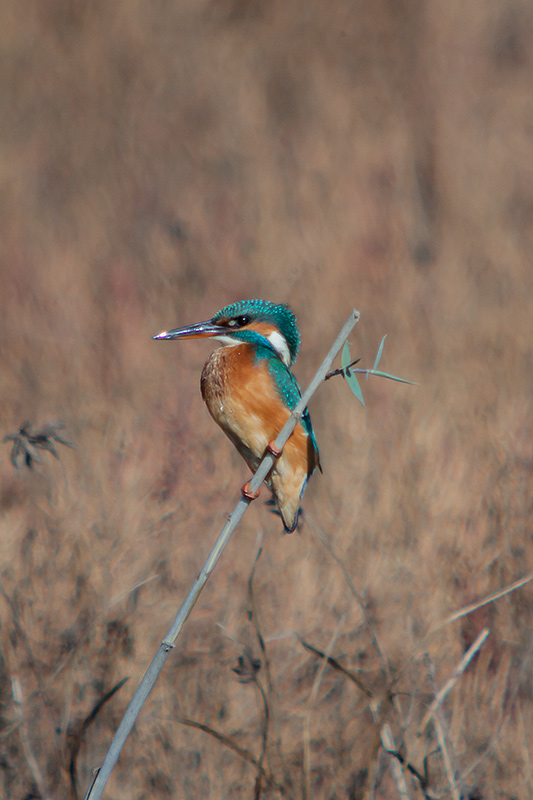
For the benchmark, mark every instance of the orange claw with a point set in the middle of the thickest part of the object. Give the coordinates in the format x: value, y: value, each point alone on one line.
x: 247, y: 493
x: 273, y: 450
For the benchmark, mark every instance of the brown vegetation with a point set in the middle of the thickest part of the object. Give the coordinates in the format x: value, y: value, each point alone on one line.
x: 159, y: 160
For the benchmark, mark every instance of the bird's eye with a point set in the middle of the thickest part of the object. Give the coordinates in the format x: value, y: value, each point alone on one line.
x: 238, y: 322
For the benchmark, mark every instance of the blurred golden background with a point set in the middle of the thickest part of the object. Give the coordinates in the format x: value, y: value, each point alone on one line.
x: 158, y: 161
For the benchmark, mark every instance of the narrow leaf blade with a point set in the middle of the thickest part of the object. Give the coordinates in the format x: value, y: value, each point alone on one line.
x: 380, y: 352
x: 351, y: 380
x: 353, y: 383
x: 391, y: 377
x: 345, y: 357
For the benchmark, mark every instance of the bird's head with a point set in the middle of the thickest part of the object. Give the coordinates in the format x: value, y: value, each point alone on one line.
x: 256, y: 322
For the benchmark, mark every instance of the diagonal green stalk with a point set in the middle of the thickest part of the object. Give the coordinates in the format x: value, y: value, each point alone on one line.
x: 95, y: 791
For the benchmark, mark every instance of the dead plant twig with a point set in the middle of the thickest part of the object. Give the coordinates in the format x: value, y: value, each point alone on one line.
x: 441, y: 732
x: 454, y: 677
x: 247, y: 670
x: 27, y: 443
x: 387, y: 741
x: 486, y: 600
x: 77, y: 739
x: 386, y: 735
x: 13, y: 608
x: 252, y: 616
x: 231, y: 745
x: 307, y: 716
x: 336, y: 665
x: 422, y: 779
x: 33, y: 766
x: 271, y: 706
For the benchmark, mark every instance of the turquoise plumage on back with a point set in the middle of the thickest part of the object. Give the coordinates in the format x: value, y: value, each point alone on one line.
x: 250, y: 391
x: 290, y: 392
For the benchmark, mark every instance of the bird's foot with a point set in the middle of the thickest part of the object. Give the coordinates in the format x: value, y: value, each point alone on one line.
x: 273, y: 450
x: 247, y: 493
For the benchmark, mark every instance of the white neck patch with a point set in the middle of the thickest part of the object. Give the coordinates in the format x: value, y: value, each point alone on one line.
x: 279, y: 343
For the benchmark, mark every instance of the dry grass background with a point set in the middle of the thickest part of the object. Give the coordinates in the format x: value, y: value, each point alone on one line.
x: 159, y: 160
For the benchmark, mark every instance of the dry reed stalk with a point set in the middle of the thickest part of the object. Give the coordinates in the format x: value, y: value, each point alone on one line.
x: 386, y: 736
x: 440, y: 726
x: 270, y: 700
x: 454, y: 677
x: 387, y: 740
x: 306, y: 792
x: 480, y: 603
x: 35, y: 770
x: 95, y: 790
x: 448, y: 766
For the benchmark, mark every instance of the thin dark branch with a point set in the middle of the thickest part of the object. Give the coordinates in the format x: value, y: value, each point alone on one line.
x: 252, y: 616
x: 336, y: 665
x: 266, y: 719
x: 78, y: 738
x: 422, y: 779
x: 342, y: 371
x: 359, y: 600
x: 25, y: 641
x: 229, y: 743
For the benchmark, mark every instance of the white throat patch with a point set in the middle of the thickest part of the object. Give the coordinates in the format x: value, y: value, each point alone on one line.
x: 229, y: 341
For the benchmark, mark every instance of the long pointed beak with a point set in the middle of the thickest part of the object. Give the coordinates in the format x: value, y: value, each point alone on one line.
x: 198, y: 331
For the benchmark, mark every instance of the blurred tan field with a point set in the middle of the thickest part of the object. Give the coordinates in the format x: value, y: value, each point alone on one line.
x: 158, y: 161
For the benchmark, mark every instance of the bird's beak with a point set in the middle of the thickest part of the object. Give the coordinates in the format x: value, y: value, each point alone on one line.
x: 198, y: 331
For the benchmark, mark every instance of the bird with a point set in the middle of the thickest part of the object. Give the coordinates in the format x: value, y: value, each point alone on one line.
x: 250, y: 391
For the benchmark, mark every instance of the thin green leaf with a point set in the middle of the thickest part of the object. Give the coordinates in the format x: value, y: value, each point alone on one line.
x: 351, y: 380
x: 353, y: 383
x: 390, y: 377
x: 380, y: 352
x: 345, y: 358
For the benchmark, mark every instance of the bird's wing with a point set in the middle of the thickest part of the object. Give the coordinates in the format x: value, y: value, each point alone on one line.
x: 289, y: 390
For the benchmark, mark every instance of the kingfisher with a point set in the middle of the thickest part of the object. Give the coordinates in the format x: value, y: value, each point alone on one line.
x: 250, y: 392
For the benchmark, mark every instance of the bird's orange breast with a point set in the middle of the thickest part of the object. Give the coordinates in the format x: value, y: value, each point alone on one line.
x: 242, y: 398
